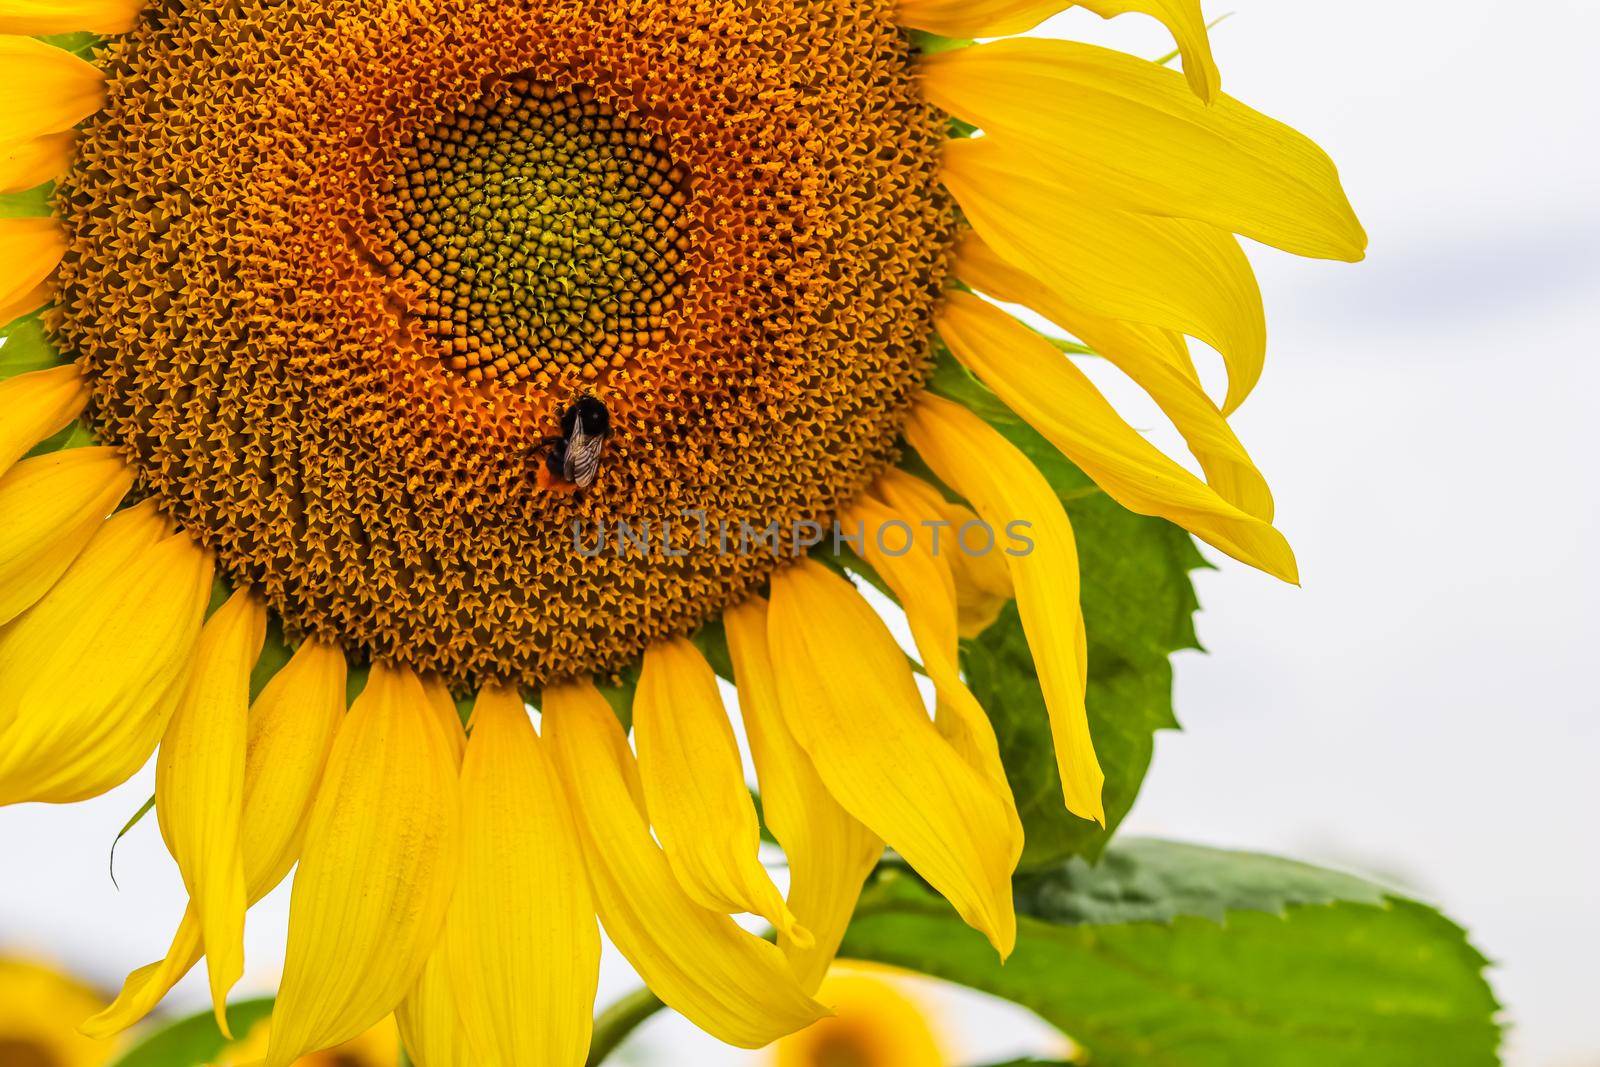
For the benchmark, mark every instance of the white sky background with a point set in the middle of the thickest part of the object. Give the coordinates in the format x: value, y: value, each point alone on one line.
x: 1424, y: 707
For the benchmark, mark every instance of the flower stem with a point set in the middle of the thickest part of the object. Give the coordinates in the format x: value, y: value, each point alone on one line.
x: 612, y: 1026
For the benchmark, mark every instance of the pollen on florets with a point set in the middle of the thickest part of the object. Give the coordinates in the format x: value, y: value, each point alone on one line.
x: 337, y: 268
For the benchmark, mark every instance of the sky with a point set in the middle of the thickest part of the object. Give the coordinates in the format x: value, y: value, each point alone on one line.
x: 1422, y: 709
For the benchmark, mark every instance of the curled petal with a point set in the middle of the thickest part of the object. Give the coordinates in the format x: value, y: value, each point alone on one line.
x: 47, y: 90
x: 1156, y: 359
x: 49, y: 509
x: 1183, y: 18
x: 1126, y: 133
x: 1003, y: 485
x: 1003, y: 18
x: 89, y: 676
x: 730, y: 983
x: 983, y: 583
x: 1058, y: 399
x: 200, y: 785
x: 38, y: 18
x: 923, y: 582
x: 291, y: 728
x: 35, y: 405
x: 1181, y: 275
x: 523, y: 945
x: 379, y: 866
x: 849, y: 698
x: 977, y: 18
x: 830, y: 853
x: 695, y: 790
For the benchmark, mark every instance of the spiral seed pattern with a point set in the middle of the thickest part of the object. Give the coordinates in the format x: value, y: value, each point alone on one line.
x: 336, y: 268
x: 544, y: 230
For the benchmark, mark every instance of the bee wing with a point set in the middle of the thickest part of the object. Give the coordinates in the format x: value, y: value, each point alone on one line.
x: 582, y: 462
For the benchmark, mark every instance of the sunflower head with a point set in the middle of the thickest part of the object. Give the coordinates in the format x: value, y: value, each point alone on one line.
x: 419, y: 351
x: 875, y: 1022
x: 40, y: 1009
x: 413, y: 245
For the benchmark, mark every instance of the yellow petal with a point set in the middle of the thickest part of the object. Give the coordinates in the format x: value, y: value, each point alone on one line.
x: 1056, y: 398
x: 977, y: 18
x: 849, y: 698
x: 1126, y: 133
x: 695, y: 790
x: 976, y: 461
x: 200, y: 785
x: 1181, y: 275
x: 524, y: 947
x: 1183, y: 18
x: 430, y: 1026
x: 30, y: 301
x: 35, y: 405
x: 34, y: 162
x: 49, y: 509
x: 1154, y: 358
x: 30, y: 249
x: 830, y: 854
x: 730, y: 983
x: 983, y: 583
x: 923, y: 582
x: 291, y: 728
x: 31, y: 18
x: 1003, y: 18
x: 90, y: 675
x: 46, y: 89
x: 444, y: 709
x: 378, y: 869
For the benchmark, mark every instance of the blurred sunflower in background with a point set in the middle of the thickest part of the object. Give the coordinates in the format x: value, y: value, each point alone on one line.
x: 40, y: 1009
x: 42, y: 1006
x: 874, y: 1023
x: 305, y: 304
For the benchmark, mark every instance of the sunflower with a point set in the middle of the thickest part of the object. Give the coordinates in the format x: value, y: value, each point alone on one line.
x: 40, y: 1009
x: 875, y: 1023
x: 331, y: 283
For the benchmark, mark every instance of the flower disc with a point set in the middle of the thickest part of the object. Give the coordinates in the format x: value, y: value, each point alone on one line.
x: 336, y: 270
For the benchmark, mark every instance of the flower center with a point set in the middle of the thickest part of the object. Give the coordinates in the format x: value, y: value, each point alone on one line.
x: 542, y: 230
x: 26, y: 1054
x: 339, y: 272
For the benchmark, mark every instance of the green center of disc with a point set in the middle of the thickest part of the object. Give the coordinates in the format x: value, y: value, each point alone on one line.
x: 540, y: 230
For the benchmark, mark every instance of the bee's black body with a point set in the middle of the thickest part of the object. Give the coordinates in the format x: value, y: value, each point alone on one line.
x: 575, y: 455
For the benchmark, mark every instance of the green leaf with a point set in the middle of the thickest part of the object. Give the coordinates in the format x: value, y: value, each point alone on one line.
x: 275, y: 654
x: 25, y: 347
x: 931, y: 44
x: 74, y: 435
x: 1169, y: 955
x: 194, y: 1041
x: 79, y: 44
x: 27, y: 204
x: 619, y: 693
x: 1138, y: 604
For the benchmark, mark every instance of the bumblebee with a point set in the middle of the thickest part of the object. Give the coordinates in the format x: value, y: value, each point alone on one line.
x: 575, y: 455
